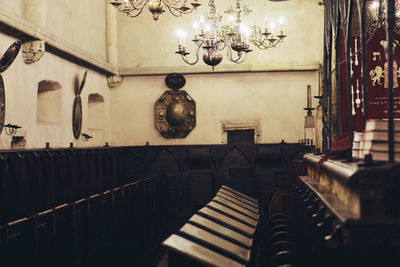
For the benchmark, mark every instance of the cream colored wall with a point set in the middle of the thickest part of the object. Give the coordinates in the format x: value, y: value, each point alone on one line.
x: 21, y: 85
x: 76, y: 24
x: 276, y: 99
x: 11, y: 7
x: 82, y: 23
x: 147, y: 46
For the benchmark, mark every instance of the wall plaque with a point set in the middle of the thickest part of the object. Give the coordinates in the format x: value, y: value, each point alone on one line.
x: 175, y: 110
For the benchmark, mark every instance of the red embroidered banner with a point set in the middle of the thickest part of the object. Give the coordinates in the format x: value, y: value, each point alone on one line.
x: 377, y: 80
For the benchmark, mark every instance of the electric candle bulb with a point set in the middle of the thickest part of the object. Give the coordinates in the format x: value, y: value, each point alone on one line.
x: 196, y: 28
x: 281, y: 20
x: 231, y: 19
x: 272, y: 25
x: 202, y: 24
x: 181, y: 35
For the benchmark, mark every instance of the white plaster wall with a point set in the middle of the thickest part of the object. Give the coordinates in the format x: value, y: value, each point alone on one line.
x: 81, y: 23
x: 75, y: 23
x: 146, y: 45
x: 21, y: 85
x: 11, y: 7
x: 276, y: 99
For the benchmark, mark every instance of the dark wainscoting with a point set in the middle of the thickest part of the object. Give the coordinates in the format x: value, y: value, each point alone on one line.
x: 76, y: 188
x: 194, y: 173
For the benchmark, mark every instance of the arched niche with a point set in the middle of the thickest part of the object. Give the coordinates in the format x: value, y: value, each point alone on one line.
x: 48, y: 102
x: 96, y: 112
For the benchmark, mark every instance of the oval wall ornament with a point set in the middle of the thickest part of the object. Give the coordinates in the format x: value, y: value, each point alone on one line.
x: 9, y: 56
x: 77, y: 107
x: 77, y: 117
x: 6, y: 60
x: 175, y: 81
x: 2, y: 104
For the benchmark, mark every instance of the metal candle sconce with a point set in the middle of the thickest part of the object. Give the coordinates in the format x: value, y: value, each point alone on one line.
x: 10, y: 129
x: 86, y: 137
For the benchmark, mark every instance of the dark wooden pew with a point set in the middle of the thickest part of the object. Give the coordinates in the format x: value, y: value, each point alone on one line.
x: 221, y: 231
x: 222, y: 227
x: 184, y: 252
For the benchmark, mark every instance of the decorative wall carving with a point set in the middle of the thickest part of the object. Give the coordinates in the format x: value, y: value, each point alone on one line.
x: 175, y: 111
x: 33, y: 51
x: 114, y: 81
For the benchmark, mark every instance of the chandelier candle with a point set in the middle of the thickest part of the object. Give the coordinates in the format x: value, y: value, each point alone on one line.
x: 308, y: 96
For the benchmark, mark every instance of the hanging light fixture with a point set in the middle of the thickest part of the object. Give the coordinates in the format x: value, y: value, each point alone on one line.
x: 214, y: 38
x: 262, y: 39
x: 133, y: 8
x: 266, y: 39
x: 377, y: 15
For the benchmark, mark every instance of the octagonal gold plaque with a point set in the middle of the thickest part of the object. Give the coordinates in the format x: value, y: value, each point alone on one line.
x: 175, y: 110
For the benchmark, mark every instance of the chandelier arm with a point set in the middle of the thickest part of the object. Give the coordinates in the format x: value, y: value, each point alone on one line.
x: 229, y: 54
x: 134, y: 15
x: 262, y: 46
x: 197, y: 55
x: 223, y: 45
x: 238, y: 61
x: 175, y: 3
x: 176, y: 10
x: 188, y: 62
x: 138, y: 6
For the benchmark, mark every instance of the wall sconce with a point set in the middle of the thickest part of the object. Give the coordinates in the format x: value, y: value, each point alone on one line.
x: 86, y: 137
x: 10, y: 129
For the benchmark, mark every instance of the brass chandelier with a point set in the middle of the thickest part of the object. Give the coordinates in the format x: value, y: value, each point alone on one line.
x: 266, y: 39
x: 262, y: 39
x: 134, y: 8
x: 214, y: 38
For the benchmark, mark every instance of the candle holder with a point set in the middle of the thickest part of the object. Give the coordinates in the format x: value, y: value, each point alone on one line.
x: 85, y: 137
x: 309, y: 127
x: 10, y: 129
x: 309, y: 111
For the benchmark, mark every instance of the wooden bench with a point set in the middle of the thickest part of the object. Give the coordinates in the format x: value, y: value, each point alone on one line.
x: 184, y: 252
x: 222, y: 231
